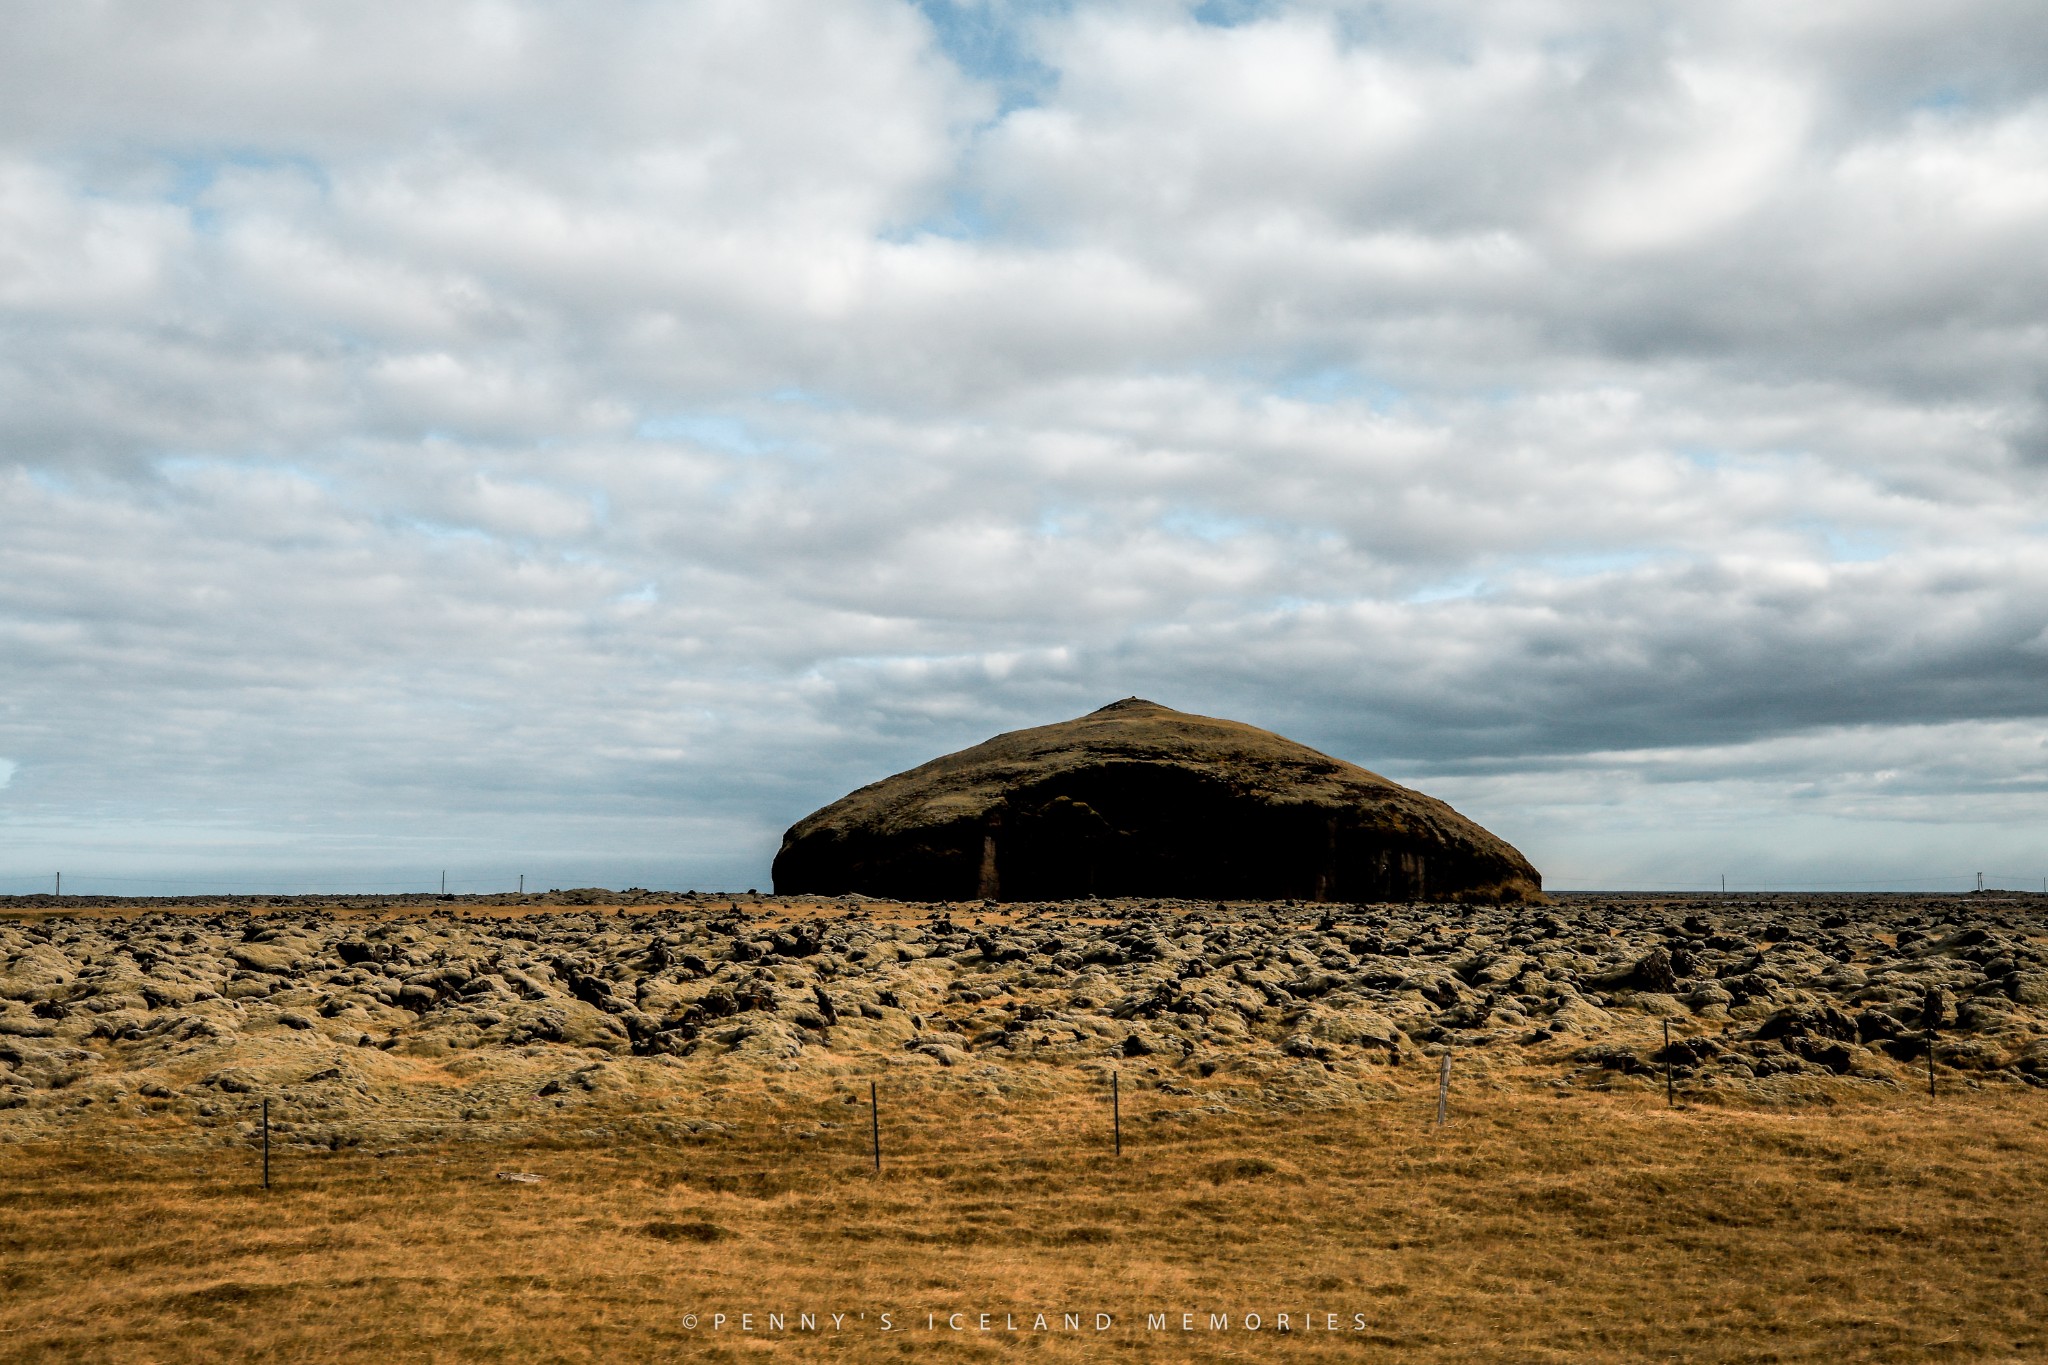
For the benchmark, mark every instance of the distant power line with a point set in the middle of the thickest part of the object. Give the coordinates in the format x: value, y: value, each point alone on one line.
x: 260, y: 881
x: 427, y: 884
x: 1966, y: 881
x: 80, y: 885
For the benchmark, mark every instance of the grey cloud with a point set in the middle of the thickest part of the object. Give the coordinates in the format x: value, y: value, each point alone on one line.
x: 466, y: 422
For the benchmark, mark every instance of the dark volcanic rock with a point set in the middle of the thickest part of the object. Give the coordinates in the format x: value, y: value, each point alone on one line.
x: 1137, y: 799
x: 1653, y: 971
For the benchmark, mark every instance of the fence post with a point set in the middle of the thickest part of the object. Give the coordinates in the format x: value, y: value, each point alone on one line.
x: 1116, y: 1112
x: 875, y: 1124
x: 1443, y: 1089
x: 1930, y: 1064
x: 266, y: 1142
x: 1670, y: 1090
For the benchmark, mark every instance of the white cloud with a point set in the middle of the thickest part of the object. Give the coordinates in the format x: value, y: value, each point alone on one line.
x: 423, y: 420
x: 1725, y: 139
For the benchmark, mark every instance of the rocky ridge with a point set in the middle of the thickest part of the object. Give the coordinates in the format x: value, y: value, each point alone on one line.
x: 1138, y: 799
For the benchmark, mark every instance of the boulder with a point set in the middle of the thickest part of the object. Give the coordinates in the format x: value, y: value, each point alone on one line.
x: 1137, y: 799
x: 1652, y: 971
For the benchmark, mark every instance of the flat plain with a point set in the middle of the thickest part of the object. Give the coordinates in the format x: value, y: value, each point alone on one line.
x: 689, y: 1079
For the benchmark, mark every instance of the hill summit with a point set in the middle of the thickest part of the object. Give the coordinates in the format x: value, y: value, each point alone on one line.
x: 1138, y: 799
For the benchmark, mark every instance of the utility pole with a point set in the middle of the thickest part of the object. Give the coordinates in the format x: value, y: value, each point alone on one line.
x: 522, y: 883
x: 1724, y: 883
x: 444, y: 882
x: 60, y: 883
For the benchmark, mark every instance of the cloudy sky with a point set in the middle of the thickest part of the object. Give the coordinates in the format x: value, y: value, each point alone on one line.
x: 579, y: 440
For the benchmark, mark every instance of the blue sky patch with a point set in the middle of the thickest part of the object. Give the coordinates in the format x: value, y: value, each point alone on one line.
x: 194, y: 174
x: 1201, y: 524
x: 711, y: 430
x: 1232, y: 13
x: 990, y: 42
x: 1337, y: 384
x: 965, y: 217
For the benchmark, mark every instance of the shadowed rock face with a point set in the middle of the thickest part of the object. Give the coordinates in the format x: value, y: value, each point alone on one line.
x: 1138, y: 799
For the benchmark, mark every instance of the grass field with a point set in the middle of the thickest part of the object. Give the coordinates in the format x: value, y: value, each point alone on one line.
x: 1587, y: 1227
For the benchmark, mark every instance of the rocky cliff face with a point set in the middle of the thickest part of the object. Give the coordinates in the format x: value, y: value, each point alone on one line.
x: 1138, y: 799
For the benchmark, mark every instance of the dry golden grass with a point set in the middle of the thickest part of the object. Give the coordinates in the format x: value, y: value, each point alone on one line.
x: 1581, y: 1228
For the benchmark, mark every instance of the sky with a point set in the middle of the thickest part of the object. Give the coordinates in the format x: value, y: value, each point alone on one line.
x: 576, y: 441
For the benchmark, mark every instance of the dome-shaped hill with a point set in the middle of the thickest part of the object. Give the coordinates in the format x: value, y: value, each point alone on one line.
x: 1138, y: 799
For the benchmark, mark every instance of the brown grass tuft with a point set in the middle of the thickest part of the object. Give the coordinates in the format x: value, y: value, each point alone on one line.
x: 684, y: 1232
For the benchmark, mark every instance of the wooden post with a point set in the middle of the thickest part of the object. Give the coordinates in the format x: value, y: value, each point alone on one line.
x: 1443, y: 1090
x: 875, y: 1124
x: 1930, y: 1064
x: 266, y: 1143
x: 1670, y: 1091
x: 1116, y: 1112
